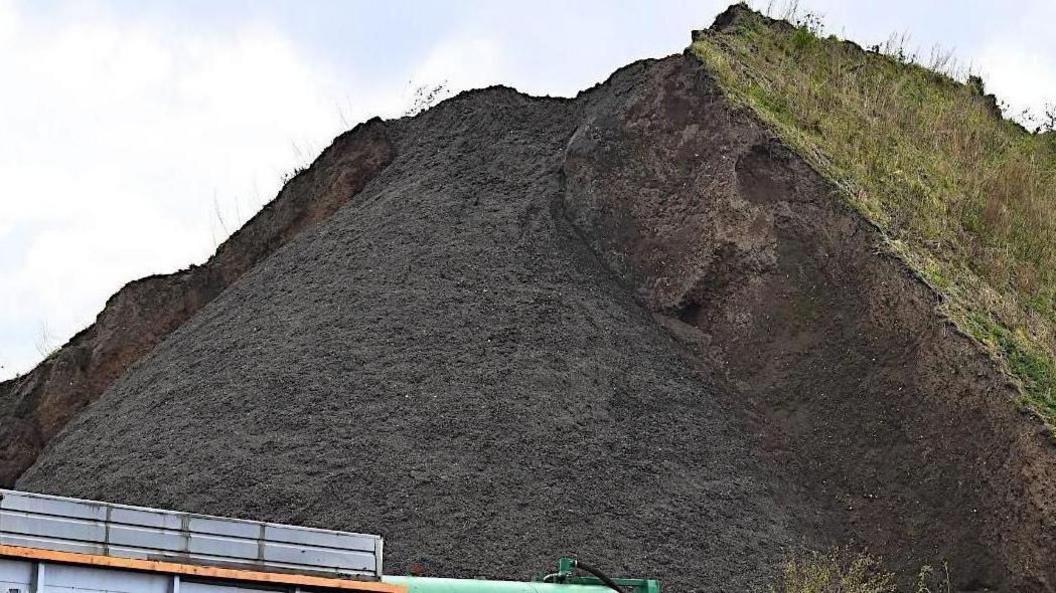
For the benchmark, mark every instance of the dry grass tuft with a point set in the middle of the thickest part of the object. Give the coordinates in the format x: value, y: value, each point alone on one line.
x: 833, y: 573
x: 838, y: 571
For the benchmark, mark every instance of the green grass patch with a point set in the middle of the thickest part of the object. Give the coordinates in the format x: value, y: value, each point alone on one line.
x: 964, y: 196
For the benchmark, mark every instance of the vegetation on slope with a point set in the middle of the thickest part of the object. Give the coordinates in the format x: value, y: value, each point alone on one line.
x: 964, y: 196
x: 834, y: 573
x: 839, y: 571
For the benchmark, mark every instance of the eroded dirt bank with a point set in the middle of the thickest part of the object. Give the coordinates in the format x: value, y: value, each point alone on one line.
x: 899, y: 428
x: 630, y: 326
x: 37, y: 405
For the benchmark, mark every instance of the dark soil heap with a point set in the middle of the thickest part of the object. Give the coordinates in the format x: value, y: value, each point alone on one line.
x: 629, y: 326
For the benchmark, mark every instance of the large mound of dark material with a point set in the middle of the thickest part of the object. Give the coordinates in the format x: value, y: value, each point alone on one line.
x: 446, y: 362
x: 628, y: 326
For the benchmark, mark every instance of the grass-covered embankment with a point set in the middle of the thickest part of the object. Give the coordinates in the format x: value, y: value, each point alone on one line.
x: 964, y: 197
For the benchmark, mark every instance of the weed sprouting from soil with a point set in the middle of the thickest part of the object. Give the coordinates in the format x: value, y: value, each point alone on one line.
x: 839, y: 571
x: 930, y: 580
x: 965, y: 196
x: 834, y: 572
x: 45, y: 342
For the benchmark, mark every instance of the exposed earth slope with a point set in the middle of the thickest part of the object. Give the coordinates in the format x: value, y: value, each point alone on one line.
x: 631, y: 326
x: 37, y: 405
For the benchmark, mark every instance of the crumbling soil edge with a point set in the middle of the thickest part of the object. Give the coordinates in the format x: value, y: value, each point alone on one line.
x: 36, y: 406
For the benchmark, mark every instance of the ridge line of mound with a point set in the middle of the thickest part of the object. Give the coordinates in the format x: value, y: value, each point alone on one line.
x: 36, y: 406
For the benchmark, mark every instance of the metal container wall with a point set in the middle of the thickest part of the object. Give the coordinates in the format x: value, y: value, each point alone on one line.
x: 86, y: 527
x: 25, y: 576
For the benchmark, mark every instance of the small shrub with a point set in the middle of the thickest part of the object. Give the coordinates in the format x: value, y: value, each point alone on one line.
x: 839, y: 571
x: 835, y: 572
x: 801, y: 39
x: 929, y: 581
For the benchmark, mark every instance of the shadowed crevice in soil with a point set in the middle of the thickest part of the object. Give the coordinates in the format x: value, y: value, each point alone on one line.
x: 629, y: 326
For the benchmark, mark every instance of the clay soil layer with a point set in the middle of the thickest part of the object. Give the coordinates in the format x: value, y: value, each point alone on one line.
x: 630, y: 326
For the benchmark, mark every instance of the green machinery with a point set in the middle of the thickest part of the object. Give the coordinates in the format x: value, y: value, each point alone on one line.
x: 565, y: 580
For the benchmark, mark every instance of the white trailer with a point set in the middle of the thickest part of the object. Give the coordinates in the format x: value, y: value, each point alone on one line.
x: 51, y: 544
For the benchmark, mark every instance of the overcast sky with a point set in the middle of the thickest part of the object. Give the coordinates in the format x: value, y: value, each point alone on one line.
x: 135, y: 136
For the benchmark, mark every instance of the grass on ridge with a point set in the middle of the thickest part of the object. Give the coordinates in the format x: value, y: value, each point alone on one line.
x: 965, y: 197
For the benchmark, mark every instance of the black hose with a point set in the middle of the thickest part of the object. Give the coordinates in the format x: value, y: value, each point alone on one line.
x: 601, y: 576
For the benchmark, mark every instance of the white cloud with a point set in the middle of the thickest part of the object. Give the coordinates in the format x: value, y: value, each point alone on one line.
x: 1021, y: 75
x: 120, y: 139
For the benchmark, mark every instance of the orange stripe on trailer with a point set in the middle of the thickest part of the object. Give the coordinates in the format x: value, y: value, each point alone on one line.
x: 212, y: 572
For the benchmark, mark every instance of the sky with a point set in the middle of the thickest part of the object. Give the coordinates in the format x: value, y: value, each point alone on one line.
x: 136, y: 136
